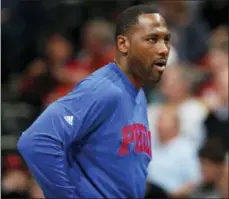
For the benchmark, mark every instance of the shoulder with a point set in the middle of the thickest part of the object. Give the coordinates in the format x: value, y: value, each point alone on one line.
x: 195, y: 108
x: 101, y: 89
x: 93, y: 90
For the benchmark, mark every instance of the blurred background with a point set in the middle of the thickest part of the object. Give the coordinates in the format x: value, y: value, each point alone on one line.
x: 48, y: 46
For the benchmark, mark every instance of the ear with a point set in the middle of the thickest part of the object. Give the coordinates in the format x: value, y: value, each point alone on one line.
x: 123, y: 44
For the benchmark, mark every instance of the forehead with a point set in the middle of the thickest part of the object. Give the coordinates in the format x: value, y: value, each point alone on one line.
x: 151, y: 23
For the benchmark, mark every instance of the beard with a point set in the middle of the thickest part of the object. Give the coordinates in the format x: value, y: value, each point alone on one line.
x: 143, y: 72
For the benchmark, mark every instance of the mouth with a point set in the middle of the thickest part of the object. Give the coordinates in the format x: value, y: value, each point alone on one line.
x: 160, y: 65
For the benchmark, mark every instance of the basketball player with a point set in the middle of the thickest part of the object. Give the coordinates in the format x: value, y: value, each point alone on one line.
x: 95, y: 142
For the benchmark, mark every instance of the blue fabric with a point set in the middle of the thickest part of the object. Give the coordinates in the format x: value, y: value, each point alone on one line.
x: 92, y: 143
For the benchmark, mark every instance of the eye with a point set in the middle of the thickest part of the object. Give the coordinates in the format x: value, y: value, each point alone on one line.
x: 152, y: 40
x: 167, y: 39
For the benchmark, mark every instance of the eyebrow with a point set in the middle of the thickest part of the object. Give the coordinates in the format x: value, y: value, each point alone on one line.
x: 168, y: 34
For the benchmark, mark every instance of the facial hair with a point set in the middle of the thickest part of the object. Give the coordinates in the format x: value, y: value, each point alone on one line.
x: 142, y: 72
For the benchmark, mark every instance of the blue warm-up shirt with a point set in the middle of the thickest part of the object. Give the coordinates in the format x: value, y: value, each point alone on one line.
x: 92, y: 143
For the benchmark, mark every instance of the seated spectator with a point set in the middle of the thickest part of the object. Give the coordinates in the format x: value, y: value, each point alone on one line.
x: 175, y: 87
x: 97, y: 44
x: 219, y: 38
x: 94, y: 54
x: 218, y: 61
x: 43, y: 74
x: 216, y: 123
x: 215, y: 61
x: 14, y: 184
x: 175, y: 165
x: 213, y: 162
x: 190, y: 32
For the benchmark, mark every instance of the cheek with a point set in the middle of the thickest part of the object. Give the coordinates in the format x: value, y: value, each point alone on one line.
x: 142, y: 53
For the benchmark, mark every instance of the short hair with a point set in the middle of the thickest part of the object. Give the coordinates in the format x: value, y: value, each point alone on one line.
x: 213, y: 150
x: 129, y: 17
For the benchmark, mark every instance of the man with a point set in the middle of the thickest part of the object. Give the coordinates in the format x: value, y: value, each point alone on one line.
x: 176, y: 88
x: 216, y: 122
x: 175, y: 166
x: 213, y: 162
x: 95, y: 142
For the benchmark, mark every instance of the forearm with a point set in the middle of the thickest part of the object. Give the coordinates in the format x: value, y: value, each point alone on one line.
x: 46, y: 160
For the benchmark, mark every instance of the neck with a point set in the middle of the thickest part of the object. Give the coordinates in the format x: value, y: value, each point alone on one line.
x: 180, y: 99
x: 167, y: 140
x: 123, y: 65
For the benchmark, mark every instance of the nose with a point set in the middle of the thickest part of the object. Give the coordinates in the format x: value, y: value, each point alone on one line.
x: 163, y: 49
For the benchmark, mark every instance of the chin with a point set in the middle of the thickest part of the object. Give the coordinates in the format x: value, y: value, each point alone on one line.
x: 152, y: 81
x: 155, y: 80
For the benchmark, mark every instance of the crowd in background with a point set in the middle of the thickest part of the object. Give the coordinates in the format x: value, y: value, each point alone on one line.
x: 49, y: 46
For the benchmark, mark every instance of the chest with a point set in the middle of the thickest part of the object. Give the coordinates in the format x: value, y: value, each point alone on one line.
x: 124, y: 133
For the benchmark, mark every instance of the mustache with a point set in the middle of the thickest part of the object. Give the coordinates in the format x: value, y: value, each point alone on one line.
x: 161, y: 61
